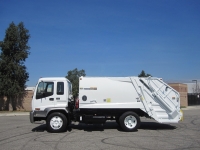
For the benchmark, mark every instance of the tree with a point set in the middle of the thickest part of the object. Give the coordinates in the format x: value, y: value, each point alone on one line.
x: 1, y: 100
x: 73, y: 77
x: 13, y: 74
x: 143, y: 74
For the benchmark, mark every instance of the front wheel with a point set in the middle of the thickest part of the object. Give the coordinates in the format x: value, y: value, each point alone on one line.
x: 129, y: 121
x: 56, y: 122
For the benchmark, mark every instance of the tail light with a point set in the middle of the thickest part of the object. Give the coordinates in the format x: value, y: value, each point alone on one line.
x: 77, y: 104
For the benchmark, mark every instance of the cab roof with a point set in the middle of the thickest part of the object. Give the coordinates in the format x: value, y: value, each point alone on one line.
x: 53, y: 79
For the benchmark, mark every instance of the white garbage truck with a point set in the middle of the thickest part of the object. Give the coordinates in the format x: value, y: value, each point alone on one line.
x: 123, y: 99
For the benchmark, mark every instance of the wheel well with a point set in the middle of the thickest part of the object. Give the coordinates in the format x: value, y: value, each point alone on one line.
x: 61, y: 111
x: 139, y: 112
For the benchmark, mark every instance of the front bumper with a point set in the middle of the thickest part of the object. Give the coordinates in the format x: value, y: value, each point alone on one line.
x: 31, y: 117
x: 37, y: 116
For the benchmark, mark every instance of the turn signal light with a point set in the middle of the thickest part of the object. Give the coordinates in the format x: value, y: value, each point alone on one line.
x: 77, y: 104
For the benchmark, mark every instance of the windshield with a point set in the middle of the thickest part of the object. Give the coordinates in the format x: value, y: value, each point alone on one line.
x: 44, y: 89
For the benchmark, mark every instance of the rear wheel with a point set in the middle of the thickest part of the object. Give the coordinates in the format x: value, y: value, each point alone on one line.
x: 56, y: 122
x: 129, y: 121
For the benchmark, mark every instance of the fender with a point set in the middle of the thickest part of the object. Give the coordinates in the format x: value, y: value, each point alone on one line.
x: 48, y: 110
x: 44, y: 113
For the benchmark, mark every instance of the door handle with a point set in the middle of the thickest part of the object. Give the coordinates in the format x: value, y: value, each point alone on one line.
x: 51, y: 99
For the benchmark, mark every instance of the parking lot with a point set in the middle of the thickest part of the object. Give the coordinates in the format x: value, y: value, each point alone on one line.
x: 17, y: 133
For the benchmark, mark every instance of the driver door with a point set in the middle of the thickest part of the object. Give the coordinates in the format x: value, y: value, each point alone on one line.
x: 45, y: 95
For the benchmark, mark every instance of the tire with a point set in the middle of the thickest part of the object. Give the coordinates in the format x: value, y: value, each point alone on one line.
x: 56, y: 122
x: 129, y: 121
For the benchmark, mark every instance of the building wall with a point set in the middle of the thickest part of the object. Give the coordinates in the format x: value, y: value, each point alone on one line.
x: 26, y: 104
x: 27, y: 101
x: 182, y: 89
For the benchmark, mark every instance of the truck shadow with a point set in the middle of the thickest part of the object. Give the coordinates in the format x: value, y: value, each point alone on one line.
x: 156, y: 126
x: 114, y: 125
x: 108, y: 125
x: 40, y: 128
x: 95, y: 127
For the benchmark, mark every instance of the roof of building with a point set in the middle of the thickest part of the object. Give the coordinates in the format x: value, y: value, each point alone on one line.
x: 30, y: 88
x: 192, y: 87
x: 177, y: 84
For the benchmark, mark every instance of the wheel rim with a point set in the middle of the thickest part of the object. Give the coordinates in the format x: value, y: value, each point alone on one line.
x: 130, y: 122
x: 56, y: 122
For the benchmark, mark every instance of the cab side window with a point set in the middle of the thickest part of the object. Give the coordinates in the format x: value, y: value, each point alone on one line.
x: 44, y: 89
x: 60, y: 88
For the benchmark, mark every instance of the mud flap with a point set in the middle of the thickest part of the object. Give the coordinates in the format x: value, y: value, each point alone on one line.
x: 181, y: 115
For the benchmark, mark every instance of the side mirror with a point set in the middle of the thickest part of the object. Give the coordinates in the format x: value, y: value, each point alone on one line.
x: 42, y: 92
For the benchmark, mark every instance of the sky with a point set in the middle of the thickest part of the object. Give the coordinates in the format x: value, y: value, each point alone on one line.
x: 109, y: 37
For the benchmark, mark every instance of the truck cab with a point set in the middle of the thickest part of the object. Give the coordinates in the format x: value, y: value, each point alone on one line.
x: 51, y: 94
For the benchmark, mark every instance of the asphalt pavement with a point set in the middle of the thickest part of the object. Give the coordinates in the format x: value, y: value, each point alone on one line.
x: 17, y: 133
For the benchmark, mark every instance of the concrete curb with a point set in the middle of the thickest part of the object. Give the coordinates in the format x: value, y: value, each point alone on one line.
x: 191, y: 107
x: 14, y: 114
